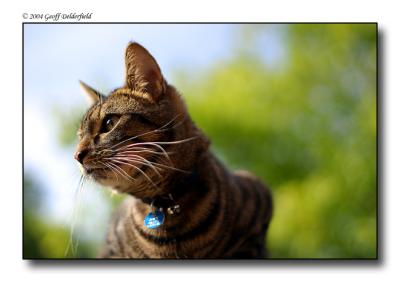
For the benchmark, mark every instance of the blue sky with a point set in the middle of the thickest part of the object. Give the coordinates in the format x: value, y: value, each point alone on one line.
x: 56, y: 56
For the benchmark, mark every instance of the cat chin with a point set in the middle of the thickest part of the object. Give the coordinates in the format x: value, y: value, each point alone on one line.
x: 104, y: 180
x: 108, y: 181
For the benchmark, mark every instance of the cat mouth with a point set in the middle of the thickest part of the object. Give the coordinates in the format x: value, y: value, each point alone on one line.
x: 107, y: 173
x: 96, y: 171
x: 91, y: 170
x: 99, y: 172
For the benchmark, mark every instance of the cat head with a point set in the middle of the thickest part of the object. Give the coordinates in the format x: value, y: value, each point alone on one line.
x: 140, y: 136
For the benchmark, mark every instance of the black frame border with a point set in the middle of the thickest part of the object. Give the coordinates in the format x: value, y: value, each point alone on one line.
x: 301, y: 262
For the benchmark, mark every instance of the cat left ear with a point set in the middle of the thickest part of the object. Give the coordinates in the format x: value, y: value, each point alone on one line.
x: 142, y: 71
x: 92, y: 95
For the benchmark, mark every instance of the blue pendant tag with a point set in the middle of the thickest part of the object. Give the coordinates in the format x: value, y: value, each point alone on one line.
x: 154, y: 219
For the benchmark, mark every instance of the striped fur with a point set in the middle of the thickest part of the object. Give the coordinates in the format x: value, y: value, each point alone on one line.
x: 222, y: 214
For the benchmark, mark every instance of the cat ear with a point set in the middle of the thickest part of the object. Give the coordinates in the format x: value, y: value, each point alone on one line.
x: 92, y: 95
x: 142, y: 71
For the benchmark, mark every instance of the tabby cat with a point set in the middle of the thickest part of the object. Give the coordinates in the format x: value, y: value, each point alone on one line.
x: 181, y: 201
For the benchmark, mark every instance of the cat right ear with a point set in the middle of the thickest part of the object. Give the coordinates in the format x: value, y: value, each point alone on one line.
x: 143, y: 72
x: 92, y: 95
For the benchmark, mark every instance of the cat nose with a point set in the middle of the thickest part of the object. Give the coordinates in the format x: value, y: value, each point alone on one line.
x: 80, y: 155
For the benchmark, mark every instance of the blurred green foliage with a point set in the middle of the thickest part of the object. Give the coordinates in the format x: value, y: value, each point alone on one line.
x: 43, y: 238
x: 306, y: 126
x: 308, y: 130
x: 68, y: 124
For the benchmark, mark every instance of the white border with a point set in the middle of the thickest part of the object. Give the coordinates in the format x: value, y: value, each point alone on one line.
x: 383, y: 12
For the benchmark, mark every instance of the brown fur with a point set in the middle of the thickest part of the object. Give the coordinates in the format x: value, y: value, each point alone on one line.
x: 223, y: 214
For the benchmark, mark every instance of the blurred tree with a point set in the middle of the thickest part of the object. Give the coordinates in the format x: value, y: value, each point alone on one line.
x: 307, y: 128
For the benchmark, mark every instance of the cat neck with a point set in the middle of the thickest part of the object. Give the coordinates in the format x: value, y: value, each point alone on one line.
x: 194, y: 193
x: 179, y: 185
x: 175, y: 192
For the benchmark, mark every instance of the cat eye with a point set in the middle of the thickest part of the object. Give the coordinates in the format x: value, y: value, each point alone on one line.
x: 109, y: 122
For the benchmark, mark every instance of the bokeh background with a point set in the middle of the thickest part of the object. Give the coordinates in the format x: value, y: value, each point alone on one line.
x: 295, y: 104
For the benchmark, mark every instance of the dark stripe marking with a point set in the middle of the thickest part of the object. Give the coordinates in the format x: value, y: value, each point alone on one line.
x: 245, y: 231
